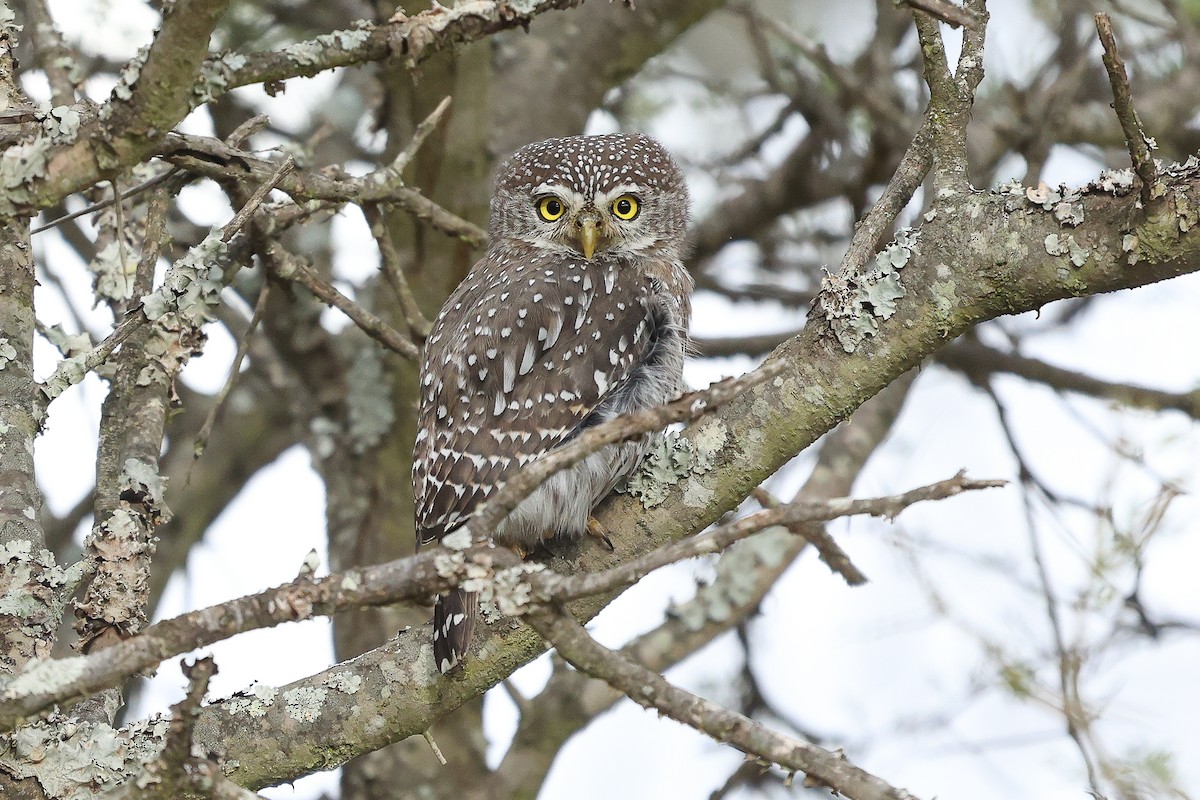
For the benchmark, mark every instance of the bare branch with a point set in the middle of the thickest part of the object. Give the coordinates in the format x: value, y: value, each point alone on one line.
x: 213, y: 158
x: 789, y: 514
x: 234, y: 226
x: 289, y: 267
x: 977, y: 360
x: 945, y: 11
x: 210, y: 420
x: 650, y: 690
x: 393, y: 271
x: 1136, y: 140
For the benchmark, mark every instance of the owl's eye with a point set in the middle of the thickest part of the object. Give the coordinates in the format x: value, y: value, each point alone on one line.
x: 625, y: 207
x: 550, y: 208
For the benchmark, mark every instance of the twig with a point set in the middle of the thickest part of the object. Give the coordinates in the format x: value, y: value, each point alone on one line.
x: 829, y: 551
x: 288, y: 267
x: 239, y: 220
x: 103, y: 204
x: 389, y: 260
x: 945, y: 11
x: 977, y: 361
x: 437, y: 751
x: 650, y: 690
x: 1136, y: 140
x: 419, y: 135
x: 201, y: 442
x: 790, y: 514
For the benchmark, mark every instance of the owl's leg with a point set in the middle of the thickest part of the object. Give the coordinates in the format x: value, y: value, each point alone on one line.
x: 594, y: 528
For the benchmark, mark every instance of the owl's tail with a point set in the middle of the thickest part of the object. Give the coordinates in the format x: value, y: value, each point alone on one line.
x: 453, y: 624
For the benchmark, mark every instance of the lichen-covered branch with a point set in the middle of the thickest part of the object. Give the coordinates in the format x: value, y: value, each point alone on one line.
x: 287, y: 267
x: 1136, y: 140
x: 722, y: 536
x: 215, y: 159
x: 30, y: 581
x: 152, y: 96
x: 572, y: 700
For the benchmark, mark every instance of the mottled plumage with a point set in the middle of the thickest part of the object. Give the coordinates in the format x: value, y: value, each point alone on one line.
x: 577, y: 313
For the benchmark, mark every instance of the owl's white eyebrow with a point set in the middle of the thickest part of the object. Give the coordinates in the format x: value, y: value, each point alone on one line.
x: 617, y: 191
x: 558, y: 189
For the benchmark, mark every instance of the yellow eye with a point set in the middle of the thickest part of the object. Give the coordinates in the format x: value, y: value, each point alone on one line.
x: 550, y: 208
x: 625, y: 207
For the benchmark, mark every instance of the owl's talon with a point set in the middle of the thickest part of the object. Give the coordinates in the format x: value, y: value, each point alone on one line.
x: 594, y: 528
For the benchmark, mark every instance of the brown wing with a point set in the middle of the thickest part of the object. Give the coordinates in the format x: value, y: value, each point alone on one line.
x: 518, y: 359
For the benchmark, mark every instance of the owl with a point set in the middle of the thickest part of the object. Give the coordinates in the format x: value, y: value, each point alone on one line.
x: 577, y: 313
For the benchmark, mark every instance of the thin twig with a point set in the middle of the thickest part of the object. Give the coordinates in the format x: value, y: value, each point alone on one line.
x: 650, y: 690
x: 1136, y: 140
x: 789, y: 514
x: 433, y: 745
x: 260, y: 194
x: 103, y: 204
x: 423, y: 130
x: 829, y: 551
x: 393, y: 271
x: 288, y: 267
x: 944, y: 11
x: 260, y: 308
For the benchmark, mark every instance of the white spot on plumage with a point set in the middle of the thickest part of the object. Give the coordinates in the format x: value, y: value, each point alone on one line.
x: 556, y: 326
x: 527, y: 361
x: 601, y: 381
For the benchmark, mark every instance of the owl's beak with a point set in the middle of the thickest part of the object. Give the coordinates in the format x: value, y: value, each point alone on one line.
x: 589, y: 234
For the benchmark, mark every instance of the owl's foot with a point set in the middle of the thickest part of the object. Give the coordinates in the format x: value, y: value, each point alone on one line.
x: 594, y: 528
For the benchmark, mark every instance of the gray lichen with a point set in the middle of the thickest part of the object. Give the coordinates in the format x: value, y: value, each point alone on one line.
x: 20, y: 165
x: 43, y: 675
x: 254, y: 703
x: 508, y: 591
x: 369, y: 401
x: 854, y: 304
x: 305, y: 703
x: 192, y: 284
x: 33, y: 591
x: 78, y: 760
x: 672, y: 458
x: 215, y: 77
x: 346, y: 682
x: 1058, y: 246
x: 60, y: 123
x: 7, y: 352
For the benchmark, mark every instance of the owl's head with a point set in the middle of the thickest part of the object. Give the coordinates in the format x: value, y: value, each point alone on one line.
x: 618, y: 194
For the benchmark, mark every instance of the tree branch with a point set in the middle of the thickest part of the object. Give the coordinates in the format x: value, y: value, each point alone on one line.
x: 1136, y: 140
x: 978, y: 361
x: 650, y: 690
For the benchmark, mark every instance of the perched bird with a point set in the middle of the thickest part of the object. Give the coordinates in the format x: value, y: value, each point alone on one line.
x: 577, y: 313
